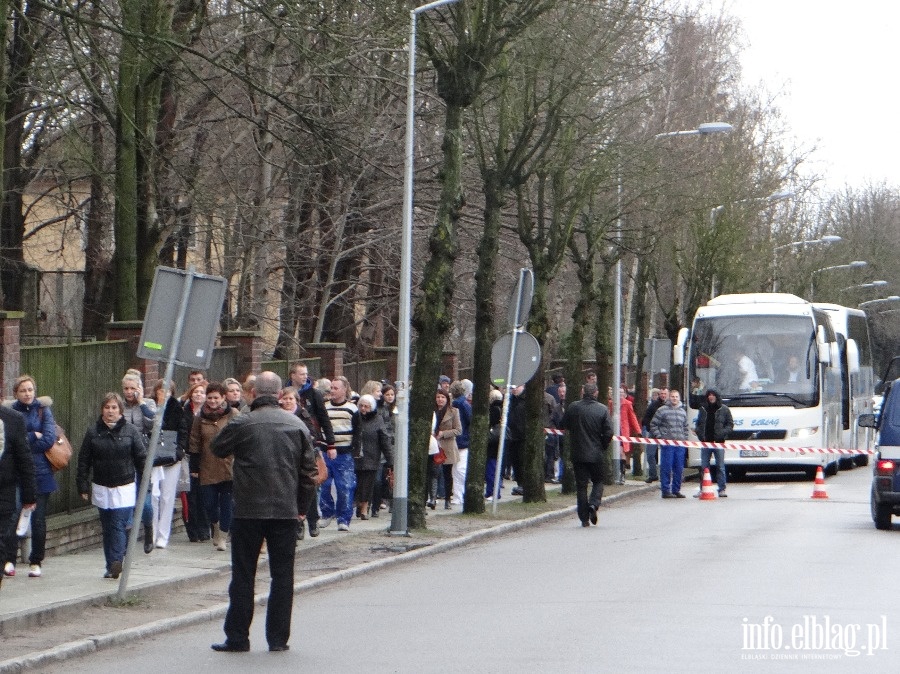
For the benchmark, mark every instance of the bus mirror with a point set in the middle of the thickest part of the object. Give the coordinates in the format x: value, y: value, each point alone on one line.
x: 678, y: 349
x: 823, y: 346
x: 852, y: 357
x: 834, y: 358
x: 866, y: 421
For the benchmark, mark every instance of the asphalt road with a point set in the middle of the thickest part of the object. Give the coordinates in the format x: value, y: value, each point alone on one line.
x: 765, y: 580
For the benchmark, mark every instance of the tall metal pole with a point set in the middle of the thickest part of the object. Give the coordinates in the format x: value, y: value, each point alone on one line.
x: 399, y: 514
x: 154, y: 438
x: 617, y: 341
x: 510, y: 387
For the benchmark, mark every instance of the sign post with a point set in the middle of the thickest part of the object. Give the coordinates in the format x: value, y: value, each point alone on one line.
x: 515, y: 357
x: 185, y: 338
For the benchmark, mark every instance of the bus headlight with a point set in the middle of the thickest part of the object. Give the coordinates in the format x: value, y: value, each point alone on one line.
x: 803, y: 432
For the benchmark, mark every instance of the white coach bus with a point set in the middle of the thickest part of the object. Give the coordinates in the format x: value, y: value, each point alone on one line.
x: 857, y: 384
x: 780, y: 364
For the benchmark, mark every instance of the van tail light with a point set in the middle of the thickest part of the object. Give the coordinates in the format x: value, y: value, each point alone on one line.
x: 884, y: 467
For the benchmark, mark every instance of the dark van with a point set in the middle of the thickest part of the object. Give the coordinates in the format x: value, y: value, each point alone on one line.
x: 885, y: 497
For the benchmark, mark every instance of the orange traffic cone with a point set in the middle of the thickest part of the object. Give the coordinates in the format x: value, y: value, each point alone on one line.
x: 819, y: 487
x: 707, y: 493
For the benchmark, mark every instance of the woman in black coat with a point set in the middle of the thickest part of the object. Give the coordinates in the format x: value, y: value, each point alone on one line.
x: 111, y: 454
x: 370, y: 443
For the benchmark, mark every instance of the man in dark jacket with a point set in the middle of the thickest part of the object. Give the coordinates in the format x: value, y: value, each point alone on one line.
x: 16, y: 468
x: 714, y: 424
x: 274, y: 473
x: 589, y: 432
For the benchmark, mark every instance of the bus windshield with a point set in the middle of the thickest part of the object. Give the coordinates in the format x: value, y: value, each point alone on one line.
x: 755, y: 360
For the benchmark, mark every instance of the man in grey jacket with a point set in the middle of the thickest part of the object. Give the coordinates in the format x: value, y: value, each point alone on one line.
x: 670, y: 423
x: 589, y: 431
x: 274, y: 469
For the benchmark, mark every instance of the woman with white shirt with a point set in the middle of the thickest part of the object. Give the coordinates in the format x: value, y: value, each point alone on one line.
x: 111, y: 454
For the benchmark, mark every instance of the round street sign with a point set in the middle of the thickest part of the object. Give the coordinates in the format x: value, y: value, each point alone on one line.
x: 526, y: 363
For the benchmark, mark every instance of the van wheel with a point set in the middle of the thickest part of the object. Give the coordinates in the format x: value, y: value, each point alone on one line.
x: 881, y: 515
x: 861, y: 460
x: 831, y: 469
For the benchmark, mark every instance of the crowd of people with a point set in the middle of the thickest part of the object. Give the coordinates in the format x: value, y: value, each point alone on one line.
x: 353, y: 435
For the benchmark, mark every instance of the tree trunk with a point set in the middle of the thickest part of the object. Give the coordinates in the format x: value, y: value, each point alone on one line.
x: 126, y: 171
x: 433, y: 316
x: 485, y: 279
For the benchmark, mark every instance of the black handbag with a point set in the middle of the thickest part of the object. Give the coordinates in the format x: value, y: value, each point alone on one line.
x: 167, y: 449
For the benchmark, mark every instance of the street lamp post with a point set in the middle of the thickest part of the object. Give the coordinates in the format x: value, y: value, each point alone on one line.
x: 714, y: 215
x: 702, y: 130
x: 829, y: 238
x: 856, y: 264
x: 399, y: 514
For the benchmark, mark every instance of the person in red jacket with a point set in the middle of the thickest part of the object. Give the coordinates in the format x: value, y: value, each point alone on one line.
x: 630, y: 426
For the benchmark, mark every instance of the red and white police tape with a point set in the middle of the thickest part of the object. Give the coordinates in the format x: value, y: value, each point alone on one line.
x: 729, y: 445
x: 743, y: 446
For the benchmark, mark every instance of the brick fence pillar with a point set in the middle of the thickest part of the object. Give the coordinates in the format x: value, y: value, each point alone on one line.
x: 450, y: 364
x: 10, y: 333
x: 249, y: 351
x: 130, y: 331
x: 389, y: 353
x: 331, y: 355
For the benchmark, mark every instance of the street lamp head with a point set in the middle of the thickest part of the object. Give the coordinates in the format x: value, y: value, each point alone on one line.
x: 877, y: 284
x: 714, y: 127
x: 858, y: 263
x: 830, y: 238
x: 889, y: 298
x: 780, y: 194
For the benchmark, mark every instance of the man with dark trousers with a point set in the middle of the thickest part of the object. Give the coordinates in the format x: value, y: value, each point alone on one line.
x: 16, y: 468
x: 589, y: 430
x: 274, y: 469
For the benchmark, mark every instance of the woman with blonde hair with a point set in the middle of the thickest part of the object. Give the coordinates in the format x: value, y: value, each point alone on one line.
x: 41, y: 428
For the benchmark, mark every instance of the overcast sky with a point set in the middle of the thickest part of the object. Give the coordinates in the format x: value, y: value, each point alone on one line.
x: 838, y: 64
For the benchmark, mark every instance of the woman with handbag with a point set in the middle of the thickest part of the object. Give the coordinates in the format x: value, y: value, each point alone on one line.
x: 167, y: 465
x: 41, y: 430
x: 111, y: 454
x: 445, y: 427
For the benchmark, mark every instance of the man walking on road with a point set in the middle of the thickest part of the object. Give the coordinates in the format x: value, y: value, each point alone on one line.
x: 670, y: 423
x: 590, y: 431
x: 274, y: 469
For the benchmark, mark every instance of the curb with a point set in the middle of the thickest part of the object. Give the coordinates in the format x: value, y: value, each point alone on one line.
x: 91, y: 645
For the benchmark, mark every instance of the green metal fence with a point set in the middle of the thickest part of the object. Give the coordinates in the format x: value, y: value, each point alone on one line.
x: 76, y: 376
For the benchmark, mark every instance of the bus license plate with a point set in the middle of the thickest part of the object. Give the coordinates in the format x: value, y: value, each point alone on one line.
x: 753, y: 453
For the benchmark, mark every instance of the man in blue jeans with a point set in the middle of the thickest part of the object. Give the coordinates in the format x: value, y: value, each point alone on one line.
x: 670, y: 423
x: 339, y: 458
x: 714, y: 424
